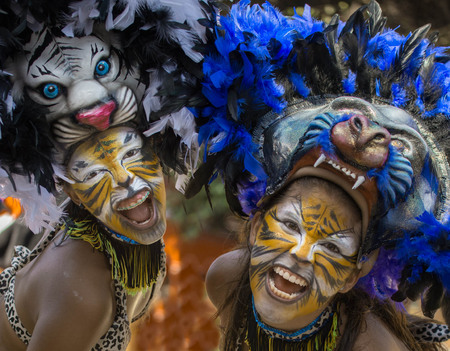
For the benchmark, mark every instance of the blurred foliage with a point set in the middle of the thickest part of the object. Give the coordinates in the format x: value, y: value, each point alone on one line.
x: 403, y: 15
x: 200, y: 214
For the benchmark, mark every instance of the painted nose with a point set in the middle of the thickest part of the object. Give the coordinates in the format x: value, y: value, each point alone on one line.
x: 303, y: 251
x: 122, y: 178
x: 89, y: 93
x: 98, y: 117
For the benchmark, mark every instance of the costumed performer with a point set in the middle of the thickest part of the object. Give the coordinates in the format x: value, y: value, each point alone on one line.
x: 102, y: 266
x: 332, y: 139
x: 73, y: 68
x: 69, y: 71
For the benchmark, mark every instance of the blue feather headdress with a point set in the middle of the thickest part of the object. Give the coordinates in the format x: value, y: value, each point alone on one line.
x: 259, y: 61
x: 262, y: 70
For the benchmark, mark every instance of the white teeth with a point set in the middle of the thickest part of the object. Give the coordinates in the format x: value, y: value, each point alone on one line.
x: 136, y: 204
x: 320, y: 160
x: 145, y: 222
x: 290, y: 277
x: 358, y: 182
x: 346, y: 171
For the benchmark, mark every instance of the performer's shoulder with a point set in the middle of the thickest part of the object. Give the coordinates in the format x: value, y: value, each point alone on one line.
x: 375, y: 336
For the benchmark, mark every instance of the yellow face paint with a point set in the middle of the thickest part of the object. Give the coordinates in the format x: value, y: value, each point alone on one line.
x: 119, y: 180
x: 305, y: 251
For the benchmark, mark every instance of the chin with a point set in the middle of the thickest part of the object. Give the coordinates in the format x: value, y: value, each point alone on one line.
x: 149, y: 236
x: 280, y: 318
x: 141, y: 218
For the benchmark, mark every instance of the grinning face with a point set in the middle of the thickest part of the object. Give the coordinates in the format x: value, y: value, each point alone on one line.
x: 84, y: 83
x: 119, y: 180
x: 304, y: 253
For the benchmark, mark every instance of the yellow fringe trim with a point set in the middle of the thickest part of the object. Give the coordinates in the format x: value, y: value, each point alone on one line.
x: 136, y: 267
x: 314, y: 343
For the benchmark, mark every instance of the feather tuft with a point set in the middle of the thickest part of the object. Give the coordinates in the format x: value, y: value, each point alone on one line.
x: 426, y: 251
x: 40, y: 209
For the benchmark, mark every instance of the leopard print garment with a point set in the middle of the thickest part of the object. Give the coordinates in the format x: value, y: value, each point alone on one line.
x: 432, y: 332
x: 118, y: 335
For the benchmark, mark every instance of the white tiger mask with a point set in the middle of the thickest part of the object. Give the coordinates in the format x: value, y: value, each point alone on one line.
x: 83, y: 83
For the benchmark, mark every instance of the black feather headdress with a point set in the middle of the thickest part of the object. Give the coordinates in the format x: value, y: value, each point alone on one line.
x: 150, y: 33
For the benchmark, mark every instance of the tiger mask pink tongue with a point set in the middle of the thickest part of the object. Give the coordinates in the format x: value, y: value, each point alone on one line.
x: 98, y: 117
x: 138, y: 209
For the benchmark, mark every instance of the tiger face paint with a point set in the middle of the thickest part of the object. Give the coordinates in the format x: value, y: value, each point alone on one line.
x: 120, y: 181
x: 305, y: 252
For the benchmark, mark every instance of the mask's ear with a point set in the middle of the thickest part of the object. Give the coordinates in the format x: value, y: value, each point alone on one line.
x: 254, y: 226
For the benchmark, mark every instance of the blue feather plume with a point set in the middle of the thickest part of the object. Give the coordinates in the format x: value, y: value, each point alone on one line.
x: 427, y: 249
x: 349, y: 83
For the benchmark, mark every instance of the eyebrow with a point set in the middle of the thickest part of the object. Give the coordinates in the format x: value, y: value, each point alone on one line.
x: 129, y: 137
x: 81, y: 164
x: 44, y: 71
x: 95, y: 50
x: 297, y: 205
x: 343, y: 233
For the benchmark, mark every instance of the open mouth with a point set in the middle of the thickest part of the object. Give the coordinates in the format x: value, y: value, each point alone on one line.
x: 284, y: 285
x: 139, y: 209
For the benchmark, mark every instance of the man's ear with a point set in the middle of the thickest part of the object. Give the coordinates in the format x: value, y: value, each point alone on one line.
x: 71, y: 193
x: 351, y: 282
x: 364, y: 269
x: 368, y: 263
x: 254, y: 226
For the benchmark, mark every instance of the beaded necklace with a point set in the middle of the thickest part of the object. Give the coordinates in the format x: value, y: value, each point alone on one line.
x: 320, y: 334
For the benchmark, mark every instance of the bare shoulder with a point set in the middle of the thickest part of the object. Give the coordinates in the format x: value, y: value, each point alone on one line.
x: 223, y: 274
x: 70, y: 265
x: 72, y: 295
x: 376, y: 336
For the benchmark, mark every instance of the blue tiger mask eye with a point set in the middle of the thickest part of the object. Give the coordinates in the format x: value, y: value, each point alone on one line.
x: 51, y: 90
x: 102, y: 68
